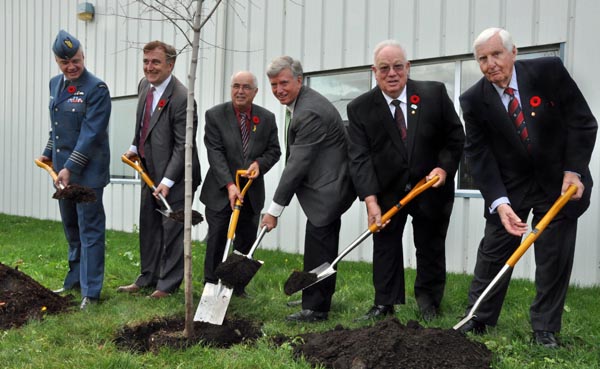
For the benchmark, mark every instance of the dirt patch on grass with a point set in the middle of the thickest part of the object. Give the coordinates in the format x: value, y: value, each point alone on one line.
x: 390, y: 344
x: 153, y: 335
x: 23, y: 299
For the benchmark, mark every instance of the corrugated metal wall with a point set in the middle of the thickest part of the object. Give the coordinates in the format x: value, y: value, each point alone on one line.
x: 325, y: 35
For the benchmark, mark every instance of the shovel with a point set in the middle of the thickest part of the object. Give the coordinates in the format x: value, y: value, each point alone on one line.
x: 301, y: 280
x: 239, y: 269
x: 177, y: 216
x: 73, y: 192
x: 215, y: 297
x: 514, y: 258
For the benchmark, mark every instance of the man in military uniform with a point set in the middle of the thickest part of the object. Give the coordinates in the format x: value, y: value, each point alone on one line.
x: 78, y: 149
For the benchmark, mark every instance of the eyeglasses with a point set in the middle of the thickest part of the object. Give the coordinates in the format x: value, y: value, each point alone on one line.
x: 385, y: 69
x: 237, y: 86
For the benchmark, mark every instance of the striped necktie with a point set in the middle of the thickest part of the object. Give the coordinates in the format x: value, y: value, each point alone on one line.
x: 517, y: 117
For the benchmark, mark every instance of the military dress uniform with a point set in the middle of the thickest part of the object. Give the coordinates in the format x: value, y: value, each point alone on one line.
x: 79, y: 115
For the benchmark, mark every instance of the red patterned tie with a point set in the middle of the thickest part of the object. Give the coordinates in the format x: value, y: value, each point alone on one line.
x: 399, y: 117
x: 245, y: 130
x: 146, y: 121
x: 516, y: 115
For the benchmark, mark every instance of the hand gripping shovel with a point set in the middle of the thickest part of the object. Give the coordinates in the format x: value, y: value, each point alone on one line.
x: 215, y: 297
x: 73, y: 192
x: 239, y: 269
x: 177, y: 216
x: 301, y: 280
x: 514, y: 258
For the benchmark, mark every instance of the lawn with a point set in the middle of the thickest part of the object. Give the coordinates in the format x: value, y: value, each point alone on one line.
x: 84, y: 339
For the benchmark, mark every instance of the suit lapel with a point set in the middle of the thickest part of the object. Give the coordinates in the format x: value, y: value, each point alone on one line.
x: 504, y: 124
x: 412, y: 116
x: 387, y: 121
x: 234, y: 128
x: 162, y: 104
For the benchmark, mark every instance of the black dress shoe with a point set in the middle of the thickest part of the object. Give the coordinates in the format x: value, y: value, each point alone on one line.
x: 546, y: 339
x: 86, y: 302
x: 474, y: 327
x: 378, y: 312
x: 307, y: 316
x: 429, y: 313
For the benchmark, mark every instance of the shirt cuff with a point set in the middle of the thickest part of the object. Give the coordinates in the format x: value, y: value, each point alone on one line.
x: 167, y: 182
x: 570, y: 171
x: 498, y: 202
x: 275, y: 209
x: 133, y: 148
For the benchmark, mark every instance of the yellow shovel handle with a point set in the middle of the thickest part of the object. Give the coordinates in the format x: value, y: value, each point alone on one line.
x: 48, y: 167
x: 421, y: 186
x: 533, y: 235
x: 238, y: 204
x: 135, y: 165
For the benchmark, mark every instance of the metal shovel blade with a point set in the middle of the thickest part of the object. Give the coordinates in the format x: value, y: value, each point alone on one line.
x: 322, y: 271
x: 213, y: 303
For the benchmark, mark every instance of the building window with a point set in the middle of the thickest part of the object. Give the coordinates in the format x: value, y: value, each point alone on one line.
x: 121, y: 130
x: 457, y: 73
x: 341, y: 87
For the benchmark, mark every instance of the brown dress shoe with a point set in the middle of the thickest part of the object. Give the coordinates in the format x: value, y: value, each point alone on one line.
x: 131, y: 288
x: 159, y: 294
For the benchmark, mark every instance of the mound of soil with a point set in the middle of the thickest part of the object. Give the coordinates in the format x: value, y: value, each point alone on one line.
x: 168, y: 332
x: 22, y: 299
x: 389, y: 344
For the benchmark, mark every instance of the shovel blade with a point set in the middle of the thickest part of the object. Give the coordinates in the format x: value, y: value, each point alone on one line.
x: 213, y: 304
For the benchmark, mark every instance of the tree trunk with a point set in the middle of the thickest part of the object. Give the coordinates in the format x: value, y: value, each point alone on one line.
x: 189, y: 139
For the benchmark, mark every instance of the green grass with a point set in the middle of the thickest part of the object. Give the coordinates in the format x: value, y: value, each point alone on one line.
x: 84, y: 339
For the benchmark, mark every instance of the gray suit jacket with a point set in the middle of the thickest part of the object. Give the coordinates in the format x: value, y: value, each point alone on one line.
x: 223, y: 142
x: 317, y: 161
x: 165, y: 143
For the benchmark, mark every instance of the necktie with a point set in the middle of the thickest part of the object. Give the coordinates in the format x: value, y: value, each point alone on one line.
x: 146, y: 121
x: 245, y: 130
x: 516, y: 115
x: 399, y: 118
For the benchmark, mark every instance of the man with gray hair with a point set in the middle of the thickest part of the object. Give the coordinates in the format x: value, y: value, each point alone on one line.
x: 238, y: 135
x: 530, y: 135
x: 401, y: 132
x: 316, y: 171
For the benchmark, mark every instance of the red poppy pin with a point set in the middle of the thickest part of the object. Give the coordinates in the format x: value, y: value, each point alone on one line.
x: 414, y: 100
x: 255, y: 120
x: 71, y: 89
x: 535, y: 101
x: 162, y: 103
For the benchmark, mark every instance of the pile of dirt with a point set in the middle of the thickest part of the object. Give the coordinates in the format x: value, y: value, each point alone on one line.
x: 22, y: 299
x: 389, y: 344
x: 168, y: 332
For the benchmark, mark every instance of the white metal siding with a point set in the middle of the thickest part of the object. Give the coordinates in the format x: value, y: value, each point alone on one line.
x: 324, y: 35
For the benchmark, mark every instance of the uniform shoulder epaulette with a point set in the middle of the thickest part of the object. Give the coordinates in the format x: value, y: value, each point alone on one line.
x: 102, y: 85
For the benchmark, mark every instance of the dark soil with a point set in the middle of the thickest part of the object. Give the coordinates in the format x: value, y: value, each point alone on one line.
x: 168, y: 332
x: 178, y: 216
x: 22, y: 299
x: 298, y: 281
x: 389, y: 344
x: 237, y: 271
x: 76, y: 193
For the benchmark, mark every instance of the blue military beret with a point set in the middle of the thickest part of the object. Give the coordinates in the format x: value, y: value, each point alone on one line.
x: 65, y: 45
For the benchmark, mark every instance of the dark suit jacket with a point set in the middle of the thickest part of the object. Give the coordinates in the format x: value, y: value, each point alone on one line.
x: 385, y: 166
x: 165, y: 143
x: 223, y: 142
x: 317, y: 160
x: 562, y: 130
